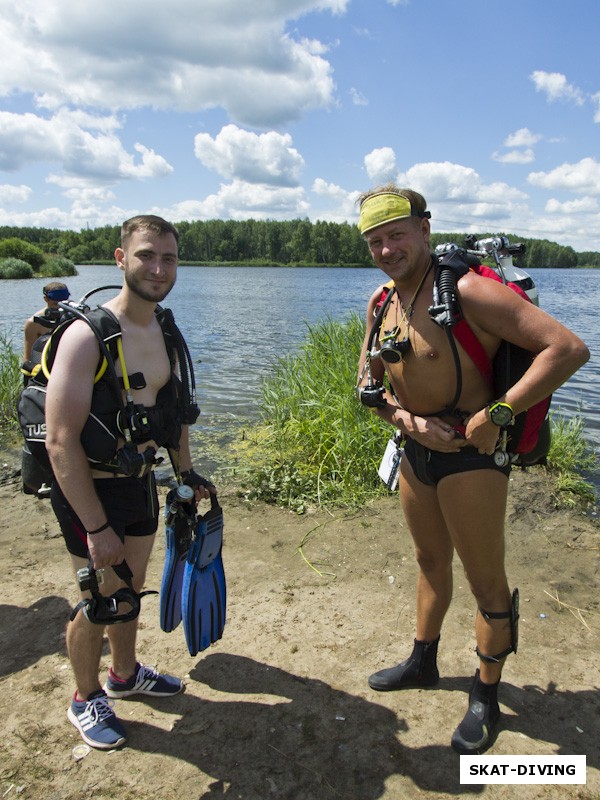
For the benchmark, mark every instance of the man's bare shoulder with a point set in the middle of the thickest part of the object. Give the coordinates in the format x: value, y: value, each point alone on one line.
x: 78, y: 344
x: 479, y: 292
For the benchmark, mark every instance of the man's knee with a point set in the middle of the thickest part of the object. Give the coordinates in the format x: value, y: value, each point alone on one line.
x: 490, y: 590
x: 432, y: 563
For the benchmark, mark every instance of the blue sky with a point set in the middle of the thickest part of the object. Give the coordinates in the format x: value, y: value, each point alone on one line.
x: 279, y: 109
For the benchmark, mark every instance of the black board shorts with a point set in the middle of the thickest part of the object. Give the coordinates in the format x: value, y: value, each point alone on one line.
x: 131, y: 506
x: 430, y: 466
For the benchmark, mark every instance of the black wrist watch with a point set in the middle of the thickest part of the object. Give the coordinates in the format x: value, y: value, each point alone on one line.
x: 501, y: 414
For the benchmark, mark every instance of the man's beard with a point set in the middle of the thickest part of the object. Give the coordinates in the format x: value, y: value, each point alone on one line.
x: 153, y: 296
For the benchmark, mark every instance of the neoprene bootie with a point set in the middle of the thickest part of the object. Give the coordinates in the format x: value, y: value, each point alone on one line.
x: 418, y: 671
x: 474, y: 734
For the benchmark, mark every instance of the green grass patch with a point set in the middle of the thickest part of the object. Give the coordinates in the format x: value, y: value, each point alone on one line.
x: 569, y: 459
x: 10, y: 384
x: 316, y: 444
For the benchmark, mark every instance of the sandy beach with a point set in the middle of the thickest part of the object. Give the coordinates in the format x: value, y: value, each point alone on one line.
x: 280, y: 707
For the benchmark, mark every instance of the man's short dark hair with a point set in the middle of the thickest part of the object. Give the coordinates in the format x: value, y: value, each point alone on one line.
x: 148, y: 222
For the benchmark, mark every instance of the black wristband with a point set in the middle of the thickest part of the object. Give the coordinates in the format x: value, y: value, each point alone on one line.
x: 100, y: 529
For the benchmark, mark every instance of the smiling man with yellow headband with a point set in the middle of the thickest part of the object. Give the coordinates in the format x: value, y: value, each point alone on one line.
x: 453, y: 493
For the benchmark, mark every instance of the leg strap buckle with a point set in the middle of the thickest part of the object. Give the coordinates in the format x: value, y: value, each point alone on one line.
x: 513, y: 615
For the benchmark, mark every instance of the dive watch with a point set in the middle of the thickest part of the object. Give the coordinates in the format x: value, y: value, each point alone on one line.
x: 501, y: 414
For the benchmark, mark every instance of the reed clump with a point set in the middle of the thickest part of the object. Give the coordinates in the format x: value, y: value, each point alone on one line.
x: 570, y: 459
x: 10, y: 384
x: 316, y: 444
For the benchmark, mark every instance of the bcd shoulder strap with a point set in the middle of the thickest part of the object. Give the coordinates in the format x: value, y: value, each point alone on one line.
x: 474, y: 349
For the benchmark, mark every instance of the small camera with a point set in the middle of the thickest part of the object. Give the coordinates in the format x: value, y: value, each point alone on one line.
x: 392, y: 351
x: 371, y: 395
x: 88, y: 579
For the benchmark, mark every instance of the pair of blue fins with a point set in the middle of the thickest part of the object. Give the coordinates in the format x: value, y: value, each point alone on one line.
x: 193, y: 586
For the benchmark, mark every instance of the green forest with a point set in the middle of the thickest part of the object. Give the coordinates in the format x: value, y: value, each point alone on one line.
x: 296, y: 242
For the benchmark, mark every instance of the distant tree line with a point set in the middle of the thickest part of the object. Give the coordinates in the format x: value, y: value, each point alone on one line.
x: 291, y: 242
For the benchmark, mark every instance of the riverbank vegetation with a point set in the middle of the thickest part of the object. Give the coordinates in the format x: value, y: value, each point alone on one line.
x: 315, y: 444
x: 298, y: 242
x: 10, y: 385
x: 20, y: 258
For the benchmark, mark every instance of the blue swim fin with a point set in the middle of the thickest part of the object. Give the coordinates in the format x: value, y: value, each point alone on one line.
x: 204, y: 593
x: 179, y: 524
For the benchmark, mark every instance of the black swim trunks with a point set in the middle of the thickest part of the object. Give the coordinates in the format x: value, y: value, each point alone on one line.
x: 430, y: 466
x: 131, y: 506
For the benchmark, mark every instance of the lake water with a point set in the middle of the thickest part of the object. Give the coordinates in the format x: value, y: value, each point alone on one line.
x: 274, y: 307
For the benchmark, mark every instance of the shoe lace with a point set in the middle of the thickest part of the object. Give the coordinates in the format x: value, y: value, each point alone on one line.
x: 100, y: 708
x: 145, y: 673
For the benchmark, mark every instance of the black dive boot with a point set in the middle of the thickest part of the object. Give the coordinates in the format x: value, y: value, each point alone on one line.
x: 474, y: 734
x: 418, y: 671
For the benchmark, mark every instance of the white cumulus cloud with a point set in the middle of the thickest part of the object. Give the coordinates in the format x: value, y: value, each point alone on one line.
x: 341, y: 203
x: 581, y: 178
x: 358, y: 98
x: 267, y: 158
x: 93, y: 151
x: 458, y: 196
x: 525, y: 156
x: 596, y: 101
x: 522, y: 138
x: 556, y: 87
x: 381, y: 164
x: 10, y: 195
x: 240, y: 200
x: 179, y: 55
x: 582, y: 205
x: 455, y: 182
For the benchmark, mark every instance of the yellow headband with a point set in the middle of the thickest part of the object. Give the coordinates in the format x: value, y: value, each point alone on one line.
x: 385, y: 207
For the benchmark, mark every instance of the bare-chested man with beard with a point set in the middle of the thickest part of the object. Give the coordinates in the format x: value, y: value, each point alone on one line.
x: 105, y: 516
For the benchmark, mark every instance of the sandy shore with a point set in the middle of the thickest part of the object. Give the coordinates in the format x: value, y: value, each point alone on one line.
x: 280, y: 707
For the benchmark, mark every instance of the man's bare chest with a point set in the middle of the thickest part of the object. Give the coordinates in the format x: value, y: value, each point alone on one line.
x: 146, y: 362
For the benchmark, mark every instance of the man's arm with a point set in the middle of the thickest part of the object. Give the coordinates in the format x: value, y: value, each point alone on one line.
x: 183, y: 458
x: 498, y: 312
x: 68, y: 403
x: 31, y: 330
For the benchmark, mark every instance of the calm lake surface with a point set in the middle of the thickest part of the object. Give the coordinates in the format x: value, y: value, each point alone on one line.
x: 274, y: 306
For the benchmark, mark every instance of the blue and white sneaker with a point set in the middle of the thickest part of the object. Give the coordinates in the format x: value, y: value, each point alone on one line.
x: 96, y: 721
x: 145, y: 680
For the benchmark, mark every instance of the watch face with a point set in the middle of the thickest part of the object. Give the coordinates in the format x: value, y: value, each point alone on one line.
x: 501, y: 414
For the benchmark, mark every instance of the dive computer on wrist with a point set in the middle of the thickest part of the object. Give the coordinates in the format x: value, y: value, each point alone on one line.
x: 501, y: 414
